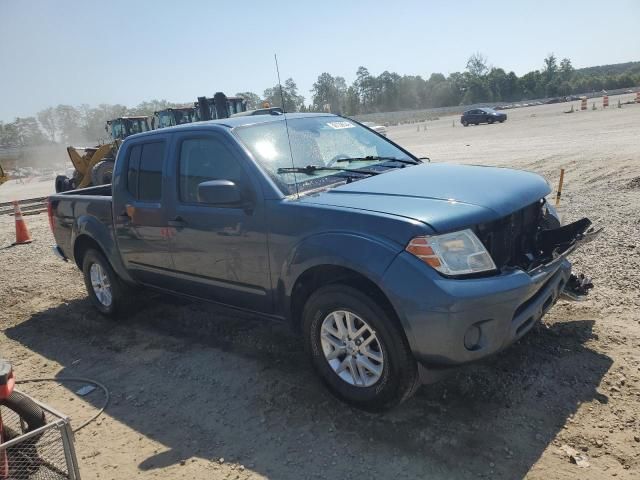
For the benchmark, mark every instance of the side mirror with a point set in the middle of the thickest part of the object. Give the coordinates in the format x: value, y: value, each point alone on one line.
x: 219, y: 192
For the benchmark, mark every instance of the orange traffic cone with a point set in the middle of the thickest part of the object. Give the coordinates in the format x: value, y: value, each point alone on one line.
x: 22, y: 232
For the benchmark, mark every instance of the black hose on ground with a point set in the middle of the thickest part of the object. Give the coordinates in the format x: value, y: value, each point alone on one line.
x: 29, y: 411
x: 107, y: 395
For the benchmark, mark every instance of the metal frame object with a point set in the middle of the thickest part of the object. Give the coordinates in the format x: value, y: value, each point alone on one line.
x: 47, y: 452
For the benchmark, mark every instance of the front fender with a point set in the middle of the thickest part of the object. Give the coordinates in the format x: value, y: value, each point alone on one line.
x: 367, y: 256
x: 104, y: 235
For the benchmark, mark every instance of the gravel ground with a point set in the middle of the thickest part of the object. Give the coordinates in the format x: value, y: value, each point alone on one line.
x: 199, y: 392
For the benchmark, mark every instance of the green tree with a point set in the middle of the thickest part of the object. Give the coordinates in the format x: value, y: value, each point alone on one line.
x: 47, y: 119
x: 148, y: 108
x: 329, y: 93
x: 566, y: 69
x: 68, y: 123
x: 550, y: 66
x: 292, y: 100
x: 477, y: 65
x: 253, y: 100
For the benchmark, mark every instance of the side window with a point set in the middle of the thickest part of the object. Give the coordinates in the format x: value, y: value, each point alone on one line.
x: 150, y: 173
x: 133, y: 166
x: 203, y: 159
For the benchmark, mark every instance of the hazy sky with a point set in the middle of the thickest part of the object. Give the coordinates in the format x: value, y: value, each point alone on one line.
x: 126, y: 51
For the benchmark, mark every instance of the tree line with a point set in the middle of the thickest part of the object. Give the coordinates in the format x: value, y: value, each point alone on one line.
x: 389, y: 91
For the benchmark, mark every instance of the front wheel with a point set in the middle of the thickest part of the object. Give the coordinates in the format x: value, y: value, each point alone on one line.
x: 465, y: 123
x: 358, y: 349
x: 108, y: 293
x: 102, y: 172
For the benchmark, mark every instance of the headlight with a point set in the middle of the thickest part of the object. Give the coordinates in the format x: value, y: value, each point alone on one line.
x: 456, y: 253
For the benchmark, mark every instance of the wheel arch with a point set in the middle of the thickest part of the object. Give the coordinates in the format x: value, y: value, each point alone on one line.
x: 90, y: 233
x: 330, y: 274
x: 82, y: 245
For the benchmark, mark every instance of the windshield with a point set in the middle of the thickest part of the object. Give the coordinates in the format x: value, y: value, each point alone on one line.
x: 137, y: 126
x: 319, y: 141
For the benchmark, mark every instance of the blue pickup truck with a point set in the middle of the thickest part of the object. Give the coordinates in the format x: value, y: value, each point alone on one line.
x: 390, y: 268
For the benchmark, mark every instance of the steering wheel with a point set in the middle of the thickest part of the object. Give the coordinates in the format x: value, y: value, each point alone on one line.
x: 336, y: 158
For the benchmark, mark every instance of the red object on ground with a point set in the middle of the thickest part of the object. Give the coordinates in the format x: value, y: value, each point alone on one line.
x: 22, y: 232
x: 7, y: 382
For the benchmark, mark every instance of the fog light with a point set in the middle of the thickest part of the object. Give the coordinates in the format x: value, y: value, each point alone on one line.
x: 472, y: 337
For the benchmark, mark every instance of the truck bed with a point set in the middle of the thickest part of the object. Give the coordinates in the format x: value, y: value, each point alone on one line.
x: 72, y: 210
x: 100, y: 190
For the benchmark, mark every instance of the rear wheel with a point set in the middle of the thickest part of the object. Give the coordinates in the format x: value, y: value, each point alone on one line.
x: 63, y: 184
x: 358, y: 349
x: 108, y: 293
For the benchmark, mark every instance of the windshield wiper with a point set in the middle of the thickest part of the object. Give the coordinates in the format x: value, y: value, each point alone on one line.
x: 373, y: 157
x: 311, y: 169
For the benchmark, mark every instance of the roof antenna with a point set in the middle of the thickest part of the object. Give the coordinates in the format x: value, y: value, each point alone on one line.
x: 280, y: 84
x: 286, y: 124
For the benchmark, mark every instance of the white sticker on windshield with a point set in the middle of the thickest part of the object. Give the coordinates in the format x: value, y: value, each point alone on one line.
x: 340, y: 125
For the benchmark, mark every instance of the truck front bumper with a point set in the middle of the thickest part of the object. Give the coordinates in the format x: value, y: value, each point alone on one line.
x: 450, y: 322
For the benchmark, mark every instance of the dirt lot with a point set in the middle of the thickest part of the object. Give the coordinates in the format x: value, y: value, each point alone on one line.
x: 203, y: 393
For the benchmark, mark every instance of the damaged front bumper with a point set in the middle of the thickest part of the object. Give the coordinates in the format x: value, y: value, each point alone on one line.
x: 556, y: 244
x: 451, y: 321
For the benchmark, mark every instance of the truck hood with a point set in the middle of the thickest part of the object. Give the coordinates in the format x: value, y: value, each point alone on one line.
x: 444, y: 196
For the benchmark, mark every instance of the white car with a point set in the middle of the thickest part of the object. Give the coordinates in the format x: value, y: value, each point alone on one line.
x: 382, y: 130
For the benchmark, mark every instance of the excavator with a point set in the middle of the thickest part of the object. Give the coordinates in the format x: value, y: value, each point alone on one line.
x: 218, y: 106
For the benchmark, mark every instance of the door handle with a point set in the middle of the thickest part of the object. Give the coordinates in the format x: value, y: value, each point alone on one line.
x: 177, y: 222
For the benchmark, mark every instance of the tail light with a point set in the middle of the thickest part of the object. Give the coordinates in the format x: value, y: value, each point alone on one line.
x: 50, y: 213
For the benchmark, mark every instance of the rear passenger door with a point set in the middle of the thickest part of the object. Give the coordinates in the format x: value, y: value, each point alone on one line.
x: 219, y: 252
x: 139, y: 215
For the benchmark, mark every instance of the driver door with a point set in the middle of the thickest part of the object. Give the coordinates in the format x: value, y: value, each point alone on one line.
x: 219, y: 251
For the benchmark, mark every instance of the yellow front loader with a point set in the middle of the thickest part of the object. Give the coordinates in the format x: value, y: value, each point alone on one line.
x: 84, y: 161
x: 94, y: 165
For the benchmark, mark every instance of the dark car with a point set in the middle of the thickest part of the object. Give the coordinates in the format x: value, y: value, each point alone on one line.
x: 482, y: 115
x: 391, y: 270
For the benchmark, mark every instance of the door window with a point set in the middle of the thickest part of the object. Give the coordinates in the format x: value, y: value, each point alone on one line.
x: 132, y: 170
x: 203, y: 159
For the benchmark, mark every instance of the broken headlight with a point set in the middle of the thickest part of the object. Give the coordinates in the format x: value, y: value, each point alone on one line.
x: 457, y: 253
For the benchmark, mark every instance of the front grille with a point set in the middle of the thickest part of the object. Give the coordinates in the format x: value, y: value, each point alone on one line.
x: 510, y: 240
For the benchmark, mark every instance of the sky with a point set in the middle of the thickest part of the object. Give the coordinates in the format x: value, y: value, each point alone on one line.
x: 124, y: 51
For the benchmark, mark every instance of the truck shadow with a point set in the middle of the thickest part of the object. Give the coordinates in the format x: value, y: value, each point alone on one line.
x: 209, y: 383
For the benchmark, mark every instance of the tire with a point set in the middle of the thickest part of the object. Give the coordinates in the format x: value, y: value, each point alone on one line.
x: 397, y: 375
x: 63, y: 184
x: 501, y: 121
x: 490, y: 121
x: 102, y: 172
x: 465, y: 123
x: 111, y: 296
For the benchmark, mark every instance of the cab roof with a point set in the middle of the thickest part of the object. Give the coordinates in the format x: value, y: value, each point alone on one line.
x: 234, y: 122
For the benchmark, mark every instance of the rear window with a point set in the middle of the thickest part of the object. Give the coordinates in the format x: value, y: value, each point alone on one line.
x: 144, y: 173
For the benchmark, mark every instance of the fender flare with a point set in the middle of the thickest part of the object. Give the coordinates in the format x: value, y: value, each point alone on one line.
x: 90, y: 227
x: 365, y: 255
